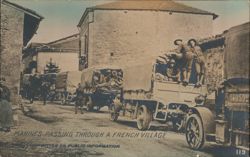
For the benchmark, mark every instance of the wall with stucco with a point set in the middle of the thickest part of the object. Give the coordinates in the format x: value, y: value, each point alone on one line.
x: 12, y: 23
x: 128, y: 37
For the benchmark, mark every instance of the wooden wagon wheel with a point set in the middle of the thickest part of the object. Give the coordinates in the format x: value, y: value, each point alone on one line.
x: 195, y: 132
x: 144, y: 117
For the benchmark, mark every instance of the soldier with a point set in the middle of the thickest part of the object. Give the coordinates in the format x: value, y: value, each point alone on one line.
x: 45, y: 87
x: 115, y: 80
x: 6, y: 115
x: 171, y: 72
x: 79, y: 99
x: 184, y: 60
x: 199, y: 61
x: 34, y: 85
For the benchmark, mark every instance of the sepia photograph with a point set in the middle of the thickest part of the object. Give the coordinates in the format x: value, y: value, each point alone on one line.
x: 124, y: 78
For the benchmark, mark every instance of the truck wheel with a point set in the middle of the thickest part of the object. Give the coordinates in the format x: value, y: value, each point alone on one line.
x: 144, y: 117
x: 113, y: 114
x: 194, y: 132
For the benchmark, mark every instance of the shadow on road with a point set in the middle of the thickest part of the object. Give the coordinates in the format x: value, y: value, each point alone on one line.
x: 127, y: 123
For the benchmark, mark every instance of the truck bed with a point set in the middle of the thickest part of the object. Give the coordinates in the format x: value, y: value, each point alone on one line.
x: 172, y: 92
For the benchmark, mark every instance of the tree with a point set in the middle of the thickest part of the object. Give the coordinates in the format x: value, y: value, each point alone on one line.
x: 51, y: 67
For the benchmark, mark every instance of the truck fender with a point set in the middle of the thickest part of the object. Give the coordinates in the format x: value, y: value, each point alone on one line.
x: 207, y: 118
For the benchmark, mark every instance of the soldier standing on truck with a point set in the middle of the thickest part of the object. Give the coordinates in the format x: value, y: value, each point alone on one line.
x: 184, y: 60
x: 199, y: 61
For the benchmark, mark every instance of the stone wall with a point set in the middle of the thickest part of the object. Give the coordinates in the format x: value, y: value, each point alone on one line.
x: 214, y: 67
x: 11, y: 48
x: 127, y: 37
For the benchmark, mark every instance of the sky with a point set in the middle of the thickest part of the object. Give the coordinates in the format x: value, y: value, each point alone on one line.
x: 62, y: 16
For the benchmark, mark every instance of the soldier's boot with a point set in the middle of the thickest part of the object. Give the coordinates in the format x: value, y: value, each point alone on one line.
x: 178, y: 77
x: 201, y: 79
x: 188, y: 76
x: 185, y: 81
x: 198, y: 80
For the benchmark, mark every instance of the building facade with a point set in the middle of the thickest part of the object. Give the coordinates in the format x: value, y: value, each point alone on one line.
x: 130, y: 32
x: 63, y: 52
x: 18, y: 25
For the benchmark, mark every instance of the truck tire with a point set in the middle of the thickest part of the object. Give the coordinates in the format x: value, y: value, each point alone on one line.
x: 195, y: 132
x: 113, y: 114
x: 144, y: 117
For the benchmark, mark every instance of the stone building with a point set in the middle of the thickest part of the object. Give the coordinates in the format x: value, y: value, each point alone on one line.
x: 63, y: 52
x: 18, y: 25
x: 130, y: 32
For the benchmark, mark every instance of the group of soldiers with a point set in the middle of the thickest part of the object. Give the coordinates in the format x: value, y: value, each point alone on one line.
x: 182, y: 59
x: 102, y: 81
x: 37, y: 86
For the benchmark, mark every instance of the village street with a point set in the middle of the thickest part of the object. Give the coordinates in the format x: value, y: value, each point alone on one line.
x: 55, y: 130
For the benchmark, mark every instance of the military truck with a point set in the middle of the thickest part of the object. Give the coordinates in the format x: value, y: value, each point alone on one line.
x: 149, y: 95
x: 65, y: 86
x: 226, y: 121
x: 100, y: 86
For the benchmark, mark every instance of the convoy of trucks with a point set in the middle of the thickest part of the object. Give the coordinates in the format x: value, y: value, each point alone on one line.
x: 219, y: 114
x: 210, y: 113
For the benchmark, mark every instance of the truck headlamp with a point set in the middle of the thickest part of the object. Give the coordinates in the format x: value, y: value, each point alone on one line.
x: 199, y: 100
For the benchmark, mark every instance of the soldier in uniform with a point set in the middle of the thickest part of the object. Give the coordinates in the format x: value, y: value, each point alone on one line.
x: 199, y: 61
x: 34, y: 85
x: 45, y: 87
x: 6, y: 115
x: 184, y: 60
x: 79, y: 99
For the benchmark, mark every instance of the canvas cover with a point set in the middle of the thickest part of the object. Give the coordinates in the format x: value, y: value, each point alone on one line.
x: 61, y: 80
x: 138, y: 77
x: 237, y: 52
x: 86, y: 77
x: 73, y: 79
x: 68, y: 80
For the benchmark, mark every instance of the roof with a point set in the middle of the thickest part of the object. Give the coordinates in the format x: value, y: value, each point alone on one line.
x: 102, y: 67
x: 156, y: 5
x: 23, y: 9
x: 31, y: 20
x: 34, y: 48
x: 71, y: 37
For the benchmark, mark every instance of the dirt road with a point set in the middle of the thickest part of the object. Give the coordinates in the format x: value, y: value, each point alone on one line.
x: 55, y: 130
